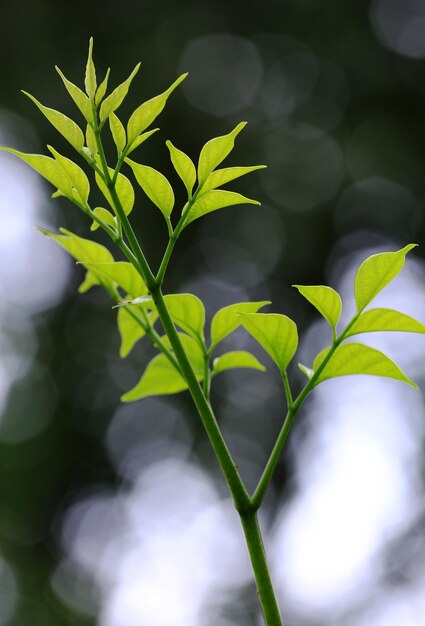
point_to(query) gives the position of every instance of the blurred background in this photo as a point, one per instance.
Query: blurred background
(116, 515)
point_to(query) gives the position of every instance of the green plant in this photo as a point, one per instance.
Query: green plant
(184, 360)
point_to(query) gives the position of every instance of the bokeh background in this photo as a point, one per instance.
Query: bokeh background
(116, 515)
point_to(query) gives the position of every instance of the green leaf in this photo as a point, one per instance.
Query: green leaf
(213, 200)
(122, 273)
(147, 112)
(141, 139)
(326, 300)
(49, 168)
(184, 167)
(376, 272)
(90, 280)
(187, 311)
(215, 151)
(101, 90)
(79, 180)
(79, 97)
(67, 127)
(114, 100)
(123, 188)
(237, 358)
(105, 216)
(90, 82)
(356, 358)
(130, 329)
(277, 334)
(159, 378)
(193, 352)
(226, 320)
(91, 141)
(155, 186)
(118, 132)
(225, 175)
(375, 320)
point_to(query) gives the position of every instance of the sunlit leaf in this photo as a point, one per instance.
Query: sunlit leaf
(187, 311)
(356, 358)
(78, 178)
(225, 175)
(326, 300)
(91, 141)
(79, 97)
(376, 272)
(122, 273)
(67, 127)
(375, 320)
(118, 132)
(101, 90)
(213, 200)
(237, 358)
(49, 168)
(114, 100)
(90, 82)
(123, 188)
(155, 186)
(226, 320)
(130, 329)
(159, 378)
(105, 216)
(184, 166)
(277, 334)
(147, 112)
(141, 139)
(215, 151)
(193, 352)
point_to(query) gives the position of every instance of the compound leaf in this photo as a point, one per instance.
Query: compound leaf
(326, 300)
(184, 167)
(155, 186)
(356, 358)
(215, 151)
(277, 334)
(375, 320)
(236, 358)
(114, 100)
(81, 100)
(226, 320)
(225, 175)
(213, 200)
(376, 272)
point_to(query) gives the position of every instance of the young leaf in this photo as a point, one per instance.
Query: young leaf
(193, 352)
(226, 320)
(155, 186)
(67, 127)
(130, 329)
(78, 179)
(114, 100)
(79, 97)
(277, 334)
(188, 312)
(91, 141)
(122, 273)
(159, 378)
(101, 90)
(225, 175)
(49, 168)
(215, 151)
(90, 82)
(307, 371)
(147, 112)
(356, 358)
(141, 139)
(376, 272)
(105, 216)
(124, 189)
(237, 358)
(183, 166)
(118, 132)
(326, 300)
(213, 200)
(375, 320)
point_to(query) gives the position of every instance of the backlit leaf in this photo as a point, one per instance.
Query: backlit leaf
(101, 90)
(237, 358)
(215, 151)
(184, 167)
(187, 311)
(124, 189)
(159, 378)
(376, 272)
(385, 320)
(118, 132)
(122, 273)
(79, 97)
(141, 139)
(277, 334)
(67, 127)
(49, 168)
(356, 358)
(307, 371)
(91, 141)
(114, 100)
(193, 352)
(90, 82)
(155, 186)
(213, 200)
(226, 320)
(225, 175)
(326, 300)
(105, 216)
(130, 329)
(147, 112)
(78, 178)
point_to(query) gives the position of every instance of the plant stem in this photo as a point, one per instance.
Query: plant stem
(263, 581)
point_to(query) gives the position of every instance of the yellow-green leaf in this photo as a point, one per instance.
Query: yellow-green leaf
(193, 352)
(213, 200)
(79, 181)
(375, 320)
(90, 82)
(225, 175)
(63, 124)
(114, 100)
(356, 358)
(326, 300)
(123, 188)
(105, 216)
(141, 139)
(91, 141)
(159, 378)
(226, 320)
(188, 312)
(79, 97)
(101, 90)
(155, 186)
(47, 167)
(118, 132)
(215, 151)
(122, 273)
(236, 358)
(184, 167)
(130, 329)
(376, 272)
(277, 334)
(147, 112)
